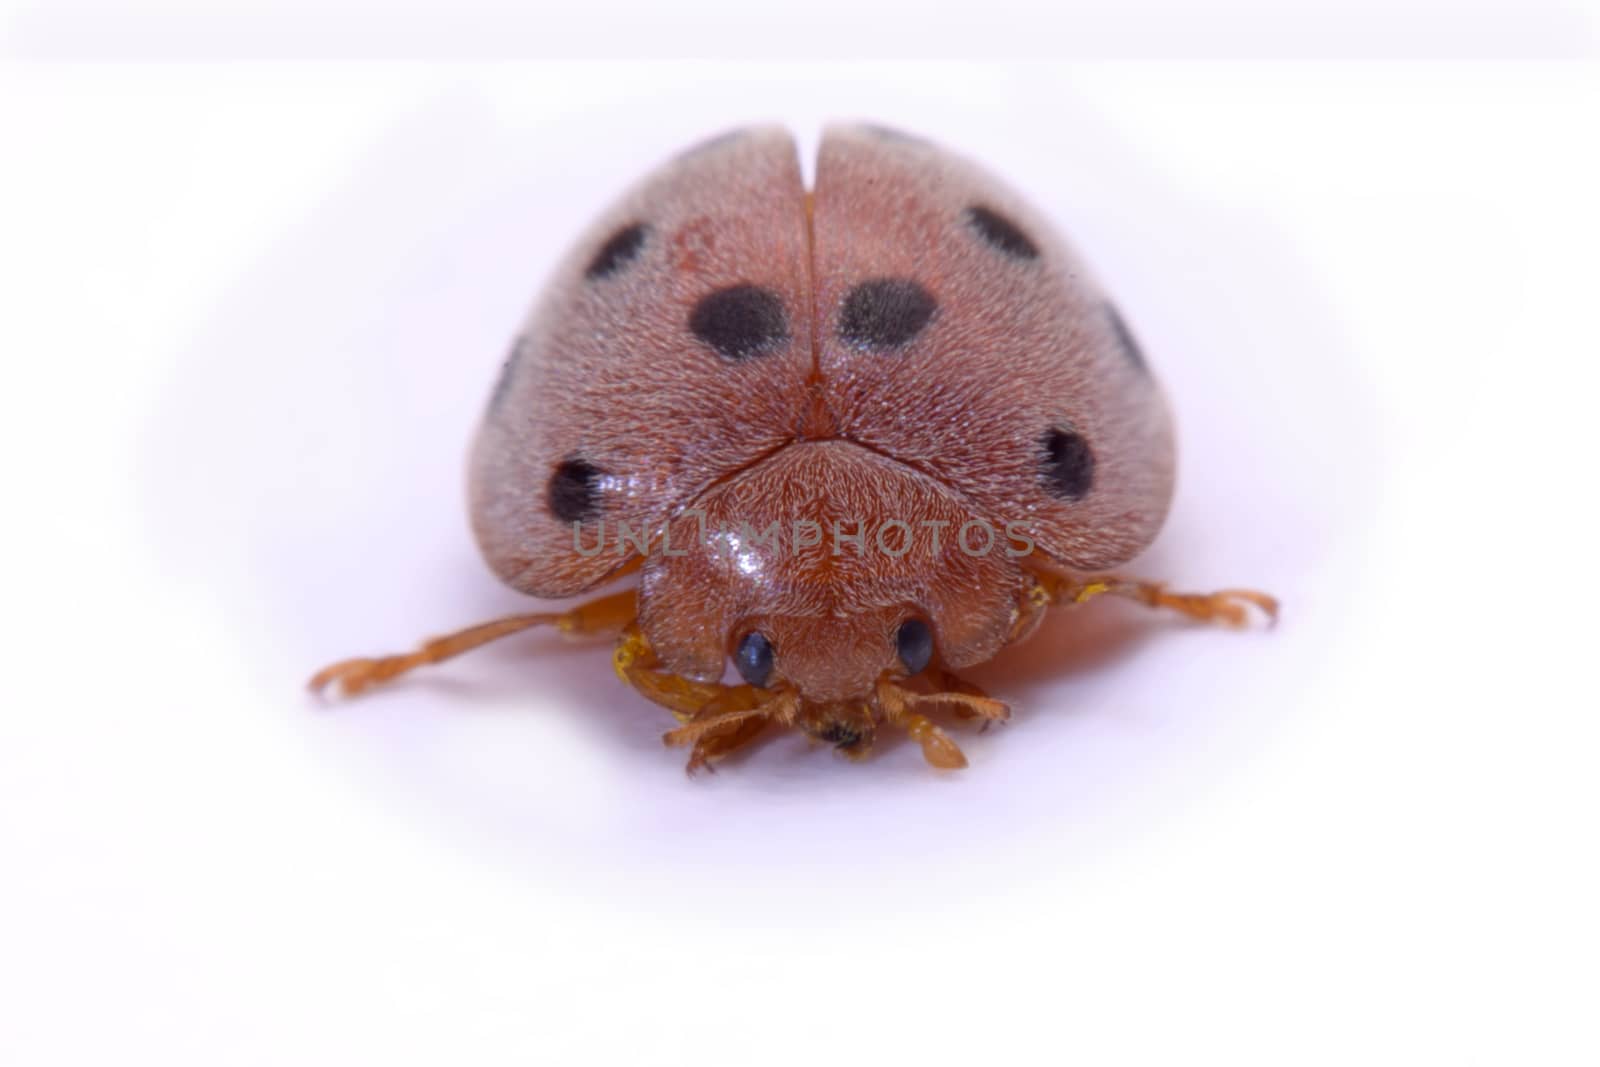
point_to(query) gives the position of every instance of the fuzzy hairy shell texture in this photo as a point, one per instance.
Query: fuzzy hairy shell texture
(1018, 346)
(826, 548)
(608, 371)
(909, 341)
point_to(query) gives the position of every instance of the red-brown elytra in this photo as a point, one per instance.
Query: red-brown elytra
(849, 441)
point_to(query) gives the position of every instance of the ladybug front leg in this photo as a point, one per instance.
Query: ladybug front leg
(897, 705)
(966, 700)
(637, 664)
(730, 721)
(717, 718)
(714, 745)
(1228, 606)
(597, 616)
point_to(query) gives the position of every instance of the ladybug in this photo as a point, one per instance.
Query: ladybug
(851, 440)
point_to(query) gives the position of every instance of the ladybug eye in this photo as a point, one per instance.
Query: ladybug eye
(914, 642)
(754, 659)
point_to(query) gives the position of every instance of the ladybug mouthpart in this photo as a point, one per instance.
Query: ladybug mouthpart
(739, 714)
(849, 730)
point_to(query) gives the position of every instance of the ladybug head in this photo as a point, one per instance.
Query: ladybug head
(825, 569)
(832, 659)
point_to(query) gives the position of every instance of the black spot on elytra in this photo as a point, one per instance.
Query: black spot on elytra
(619, 250)
(1068, 468)
(1000, 232)
(885, 313)
(753, 659)
(1125, 339)
(574, 491)
(914, 643)
(741, 321)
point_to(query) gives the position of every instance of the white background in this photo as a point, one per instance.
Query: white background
(252, 311)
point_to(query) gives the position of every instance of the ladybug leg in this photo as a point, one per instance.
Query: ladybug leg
(1227, 606)
(729, 721)
(717, 719)
(638, 666)
(355, 675)
(967, 700)
(896, 704)
(714, 746)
